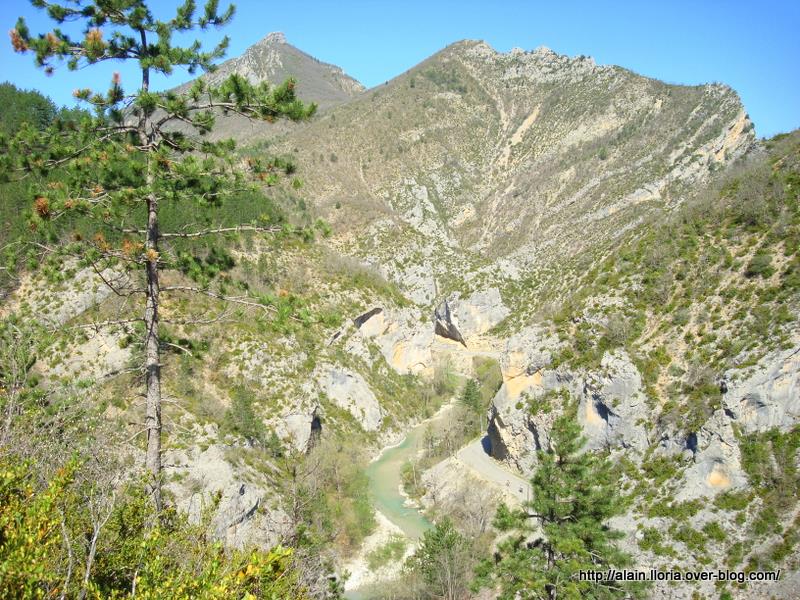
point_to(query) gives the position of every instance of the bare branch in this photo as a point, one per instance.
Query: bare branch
(98, 325)
(218, 319)
(178, 347)
(242, 300)
(220, 230)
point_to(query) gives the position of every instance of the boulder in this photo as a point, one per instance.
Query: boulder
(300, 425)
(716, 464)
(403, 339)
(446, 325)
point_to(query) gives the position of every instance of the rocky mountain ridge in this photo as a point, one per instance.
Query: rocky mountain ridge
(483, 164)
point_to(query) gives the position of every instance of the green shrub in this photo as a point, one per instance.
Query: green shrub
(391, 551)
(760, 265)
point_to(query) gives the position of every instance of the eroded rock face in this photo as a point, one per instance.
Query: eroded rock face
(299, 424)
(349, 390)
(446, 324)
(481, 311)
(515, 433)
(612, 406)
(241, 518)
(403, 339)
(716, 460)
(613, 413)
(459, 318)
(770, 397)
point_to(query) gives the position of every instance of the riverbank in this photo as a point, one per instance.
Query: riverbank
(394, 514)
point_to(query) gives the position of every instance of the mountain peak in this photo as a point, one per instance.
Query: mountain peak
(274, 59)
(276, 37)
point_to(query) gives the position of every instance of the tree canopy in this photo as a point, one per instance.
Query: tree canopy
(563, 529)
(139, 150)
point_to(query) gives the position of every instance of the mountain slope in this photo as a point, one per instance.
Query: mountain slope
(273, 59)
(476, 164)
(584, 231)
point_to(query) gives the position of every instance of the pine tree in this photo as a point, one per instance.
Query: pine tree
(139, 150)
(563, 529)
(442, 562)
(471, 400)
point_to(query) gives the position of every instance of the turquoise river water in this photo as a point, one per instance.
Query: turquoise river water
(384, 475)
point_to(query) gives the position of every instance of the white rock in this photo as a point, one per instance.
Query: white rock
(350, 391)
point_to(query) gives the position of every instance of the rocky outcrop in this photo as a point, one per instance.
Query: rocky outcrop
(716, 464)
(769, 397)
(446, 325)
(611, 404)
(203, 478)
(300, 426)
(515, 432)
(403, 339)
(612, 407)
(459, 319)
(479, 312)
(349, 390)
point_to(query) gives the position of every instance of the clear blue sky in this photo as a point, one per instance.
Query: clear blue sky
(752, 46)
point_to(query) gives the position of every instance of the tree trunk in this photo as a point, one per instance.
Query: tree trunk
(152, 357)
(152, 366)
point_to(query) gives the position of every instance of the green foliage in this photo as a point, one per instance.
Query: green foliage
(449, 79)
(770, 461)
(329, 492)
(735, 501)
(653, 541)
(204, 269)
(760, 265)
(470, 397)
(89, 175)
(444, 380)
(677, 511)
(241, 419)
(714, 531)
(489, 376)
(574, 495)
(160, 558)
(29, 531)
(442, 561)
(21, 107)
(392, 551)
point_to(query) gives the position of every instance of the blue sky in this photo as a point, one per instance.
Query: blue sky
(752, 46)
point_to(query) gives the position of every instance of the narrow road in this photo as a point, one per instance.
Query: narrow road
(475, 457)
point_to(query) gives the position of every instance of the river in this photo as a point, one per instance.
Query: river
(384, 475)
